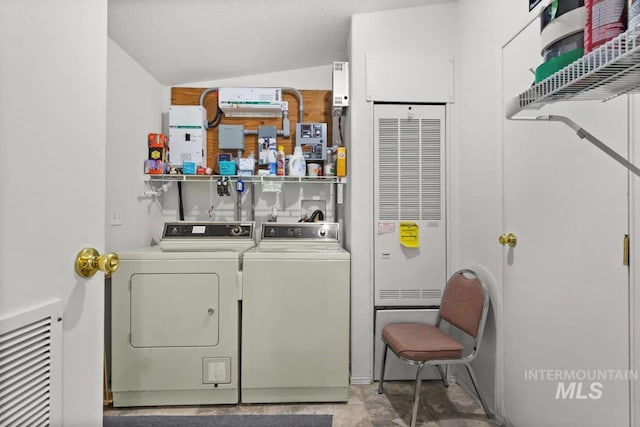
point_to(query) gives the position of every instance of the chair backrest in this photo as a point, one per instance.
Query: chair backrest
(465, 302)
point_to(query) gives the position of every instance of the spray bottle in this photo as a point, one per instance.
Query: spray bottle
(280, 161)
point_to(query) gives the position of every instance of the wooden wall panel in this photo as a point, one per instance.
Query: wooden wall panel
(317, 109)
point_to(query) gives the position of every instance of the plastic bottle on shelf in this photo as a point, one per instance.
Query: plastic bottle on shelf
(297, 164)
(272, 161)
(329, 166)
(341, 161)
(280, 161)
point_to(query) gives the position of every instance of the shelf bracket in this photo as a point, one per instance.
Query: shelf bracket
(583, 134)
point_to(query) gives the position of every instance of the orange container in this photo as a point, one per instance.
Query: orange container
(341, 161)
(157, 146)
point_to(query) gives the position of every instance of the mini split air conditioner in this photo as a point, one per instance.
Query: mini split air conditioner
(250, 102)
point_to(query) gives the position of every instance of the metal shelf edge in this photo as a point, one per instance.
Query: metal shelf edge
(252, 178)
(611, 70)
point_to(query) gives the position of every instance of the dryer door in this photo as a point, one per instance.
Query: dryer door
(174, 310)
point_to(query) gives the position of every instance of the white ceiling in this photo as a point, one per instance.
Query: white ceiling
(186, 41)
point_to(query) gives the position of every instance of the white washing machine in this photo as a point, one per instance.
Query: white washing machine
(295, 315)
(175, 317)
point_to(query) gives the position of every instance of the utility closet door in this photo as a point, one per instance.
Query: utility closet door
(566, 309)
(52, 191)
(410, 235)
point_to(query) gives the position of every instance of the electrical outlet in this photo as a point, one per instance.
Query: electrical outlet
(115, 216)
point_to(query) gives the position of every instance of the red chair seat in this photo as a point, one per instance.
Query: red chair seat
(421, 342)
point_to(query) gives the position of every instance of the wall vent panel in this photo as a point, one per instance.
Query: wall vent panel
(408, 294)
(30, 369)
(410, 234)
(388, 182)
(430, 190)
(409, 183)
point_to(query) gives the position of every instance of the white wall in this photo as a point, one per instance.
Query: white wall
(318, 78)
(134, 109)
(199, 198)
(477, 213)
(429, 30)
(463, 29)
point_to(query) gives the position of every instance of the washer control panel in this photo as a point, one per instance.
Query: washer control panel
(303, 230)
(207, 230)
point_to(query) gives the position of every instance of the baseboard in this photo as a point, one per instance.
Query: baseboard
(361, 380)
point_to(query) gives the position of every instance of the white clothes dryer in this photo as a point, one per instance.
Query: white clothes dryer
(295, 315)
(175, 317)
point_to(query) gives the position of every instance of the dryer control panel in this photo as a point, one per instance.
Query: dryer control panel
(207, 230)
(309, 230)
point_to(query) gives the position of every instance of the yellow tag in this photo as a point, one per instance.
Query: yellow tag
(409, 234)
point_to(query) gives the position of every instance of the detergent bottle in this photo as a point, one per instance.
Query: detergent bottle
(297, 164)
(272, 161)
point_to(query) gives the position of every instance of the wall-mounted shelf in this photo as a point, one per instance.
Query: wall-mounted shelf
(611, 70)
(157, 184)
(252, 178)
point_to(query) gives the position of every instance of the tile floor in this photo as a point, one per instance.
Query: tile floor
(439, 407)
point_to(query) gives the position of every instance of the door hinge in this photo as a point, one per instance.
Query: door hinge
(625, 250)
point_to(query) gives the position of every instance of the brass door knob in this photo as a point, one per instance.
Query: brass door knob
(89, 261)
(508, 239)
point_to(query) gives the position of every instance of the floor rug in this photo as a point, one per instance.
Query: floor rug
(219, 421)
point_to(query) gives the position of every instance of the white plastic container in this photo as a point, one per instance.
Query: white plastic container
(297, 164)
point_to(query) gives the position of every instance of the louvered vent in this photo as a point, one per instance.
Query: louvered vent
(409, 169)
(402, 294)
(25, 375)
(337, 66)
(431, 170)
(388, 197)
(337, 100)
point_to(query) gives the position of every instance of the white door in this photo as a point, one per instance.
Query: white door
(52, 190)
(566, 318)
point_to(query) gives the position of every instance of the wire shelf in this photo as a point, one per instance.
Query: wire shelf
(252, 178)
(611, 70)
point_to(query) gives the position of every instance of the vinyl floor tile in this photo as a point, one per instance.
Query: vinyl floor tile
(439, 407)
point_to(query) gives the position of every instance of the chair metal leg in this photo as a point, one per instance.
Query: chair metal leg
(416, 397)
(474, 381)
(384, 362)
(443, 375)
